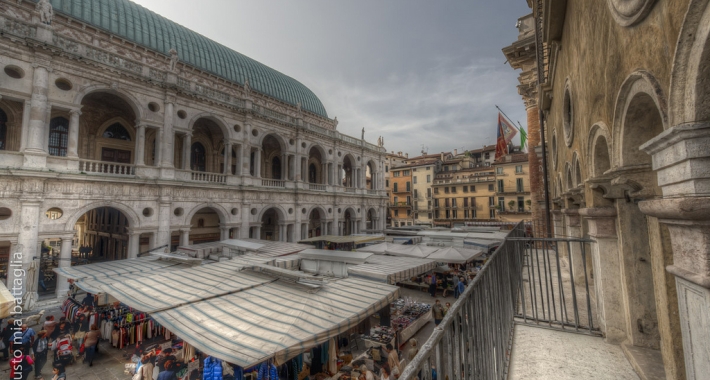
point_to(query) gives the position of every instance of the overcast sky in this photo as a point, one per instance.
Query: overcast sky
(417, 72)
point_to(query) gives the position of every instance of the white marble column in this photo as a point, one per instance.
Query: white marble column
(73, 143)
(26, 243)
(140, 146)
(238, 153)
(284, 166)
(168, 138)
(257, 163)
(297, 176)
(223, 232)
(336, 223)
(36, 150)
(228, 158)
(245, 221)
(186, 151)
(184, 237)
(134, 244)
(64, 262)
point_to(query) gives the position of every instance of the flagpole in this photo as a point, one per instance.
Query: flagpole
(506, 116)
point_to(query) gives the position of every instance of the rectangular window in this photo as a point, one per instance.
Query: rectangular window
(488, 155)
(415, 194)
(491, 201)
(428, 193)
(406, 173)
(473, 202)
(519, 185)
(465, 214)
(409, 200)
(446, 190)
(490, 187)
(492, 213)
(473, 189)
(395, 200)
(394, 187)
(501, 188)
(436, 203)
(430, 215)
(416, 215)
(465, 202)
(436, 214)
(454, 214)
(387, 168)
(473, 214)
(499, 170)
(409, 212)
(409, 186)
(518, 169)
(396, 212)
(446, 202)
(428, 205)
(428, 168)
(414, 179)
(448, 214)
(436, 190)
(453, 189)
(453, 202)
(387, 183)
(501, 203)
(428, 178)
(465, 189)
(395, 174)
(446, 168)
(521, 204)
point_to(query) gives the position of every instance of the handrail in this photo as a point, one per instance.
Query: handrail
(106, 167)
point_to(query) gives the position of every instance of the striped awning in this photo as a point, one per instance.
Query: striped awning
(417, 250)
(117, 268)
(455, 255)
(276, 320)
(356, 239)
(7, 301)
(391, 269)
(378, 249)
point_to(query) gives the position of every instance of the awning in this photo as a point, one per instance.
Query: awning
(338, 256)
(356, 239)
(117, 268)
(288, 262)
(276, 320)
(391, 269)
(7, 301)
(417, 250)
(455, 255)
(378, 249)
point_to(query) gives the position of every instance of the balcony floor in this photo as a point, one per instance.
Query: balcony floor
(540, 353)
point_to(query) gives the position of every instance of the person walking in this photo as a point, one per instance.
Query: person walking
(22, 363)
(41, 350)
(432, 285)
(456, 287)
(460, 286)
(91, 341)
(6, 337)
(438, 311)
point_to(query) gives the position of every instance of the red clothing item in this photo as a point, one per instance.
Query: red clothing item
(16, 362)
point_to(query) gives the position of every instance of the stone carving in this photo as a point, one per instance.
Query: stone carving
(19, 29)
(183, 83)
(157, 75)
(247, 89)
(363, 134)
(298, 107)
(210, 93)
(65, 44)
(113, 60)
(174, 59)
(46, 12)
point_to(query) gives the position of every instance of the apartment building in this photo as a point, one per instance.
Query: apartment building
(401, 196)
(462, 195)
(513, 201)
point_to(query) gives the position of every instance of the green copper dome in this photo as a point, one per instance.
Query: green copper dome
(134, 23)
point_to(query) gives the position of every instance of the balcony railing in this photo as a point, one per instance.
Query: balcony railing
(525, 281)
(272, 183)
(316, 187)
(110, 168)
(371, 192)
(208, 177)
(350, 190)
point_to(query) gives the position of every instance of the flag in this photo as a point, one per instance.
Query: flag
(523, 140)
(506, 132)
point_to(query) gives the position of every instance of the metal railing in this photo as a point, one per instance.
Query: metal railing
(473, 340)
(536, 281)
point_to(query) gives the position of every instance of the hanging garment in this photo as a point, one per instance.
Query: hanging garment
(332, 357)
(212, 369)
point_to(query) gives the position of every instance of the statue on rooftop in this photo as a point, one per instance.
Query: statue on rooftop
(363, 134)
(335, 123)
(247, 89)
(46, 12)
(173, 59)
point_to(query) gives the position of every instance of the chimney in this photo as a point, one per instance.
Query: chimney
(406, 155)
(456, 152)
(442, 156)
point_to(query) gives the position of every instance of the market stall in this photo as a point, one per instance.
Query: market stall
(378, 249)
(418, 250)
(408, 317)
(7, 301)
(455, 255)
(391, 269)
(341, 243)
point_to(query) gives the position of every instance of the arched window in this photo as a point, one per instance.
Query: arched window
(117, 131)
(3, 130)
(197, 157)
(275, 168)
(58, 136)
(312, 173)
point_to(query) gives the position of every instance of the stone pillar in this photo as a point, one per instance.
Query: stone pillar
(245, 221)
(298, 176)
(186, 151)
(238, 153)
(168, 137)
(64, 262)
(26, 244)
(574, 230)
(537, 189)
(297, 228)
(558, 222)
(164, 215)
(257, 232)
(184, 237)
(223, 232)
(140, 146)
(336, 224)
(36, 150)
(607, 271)
(681, 156)
(228, 158)
(246, 159)
(73, 143)
(257, 163)
(134, 244)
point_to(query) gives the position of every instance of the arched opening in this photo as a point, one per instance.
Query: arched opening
(198, 157)
(3, 130)
(601, 163)
(348, 222)
(348, 172)
(204, 227)
(316, 169)
(271, 163)
(270, 225)
(371, 219)
(577, 173)
(570, 184)
(370, 178)
(316, 221)
(205, 154)
(106, 129)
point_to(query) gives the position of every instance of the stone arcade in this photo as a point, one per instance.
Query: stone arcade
(121, 131)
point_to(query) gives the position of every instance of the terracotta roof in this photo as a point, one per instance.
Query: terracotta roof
(514, 158)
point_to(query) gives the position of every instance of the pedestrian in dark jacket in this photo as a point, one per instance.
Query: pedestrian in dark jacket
(5, 336)
(169, 373)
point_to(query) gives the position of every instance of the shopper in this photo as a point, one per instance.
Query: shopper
(460, 286)
(366, 374)
(447, 306)
(49, 325)
(58, 372)
(385, 373)
(5, 337)
(22, 363)
(28, 335)
(432, 285)
(146, 368)
(169, 373)
(165, 356)
(393, 360)
(438, 311)
(41, 349)
(91, 341)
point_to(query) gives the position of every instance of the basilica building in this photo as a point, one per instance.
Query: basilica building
(122, 131)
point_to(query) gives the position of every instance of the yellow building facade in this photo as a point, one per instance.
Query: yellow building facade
(512, 188)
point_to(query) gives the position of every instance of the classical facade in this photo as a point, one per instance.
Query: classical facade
(122, 131)
(624, 89)
(513, 188)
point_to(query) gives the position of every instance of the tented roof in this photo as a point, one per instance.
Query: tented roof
(109, 268)
(455, 255)
(339, 256)
(357, 239)
(391, 269)
(7, 301)
(378, 249)
(417, 250)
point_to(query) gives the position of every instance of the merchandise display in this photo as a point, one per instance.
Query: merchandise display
(381, 335)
